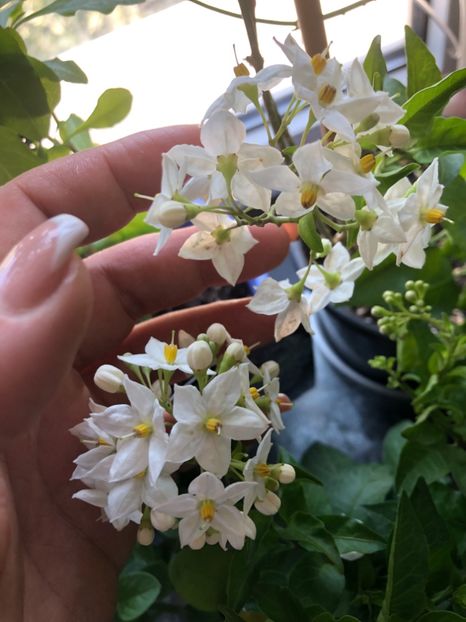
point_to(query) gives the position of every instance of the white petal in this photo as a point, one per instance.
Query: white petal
(200, 245)
(214, 453)
(276, 178)
(222, 393)
(243, 424)
(311, 163)
(131, 458)
(206, 486)
(337, 204)
(189, 529)
(183, 443)
(270, 298)
(222, 134)
(287, 321)
(228, 262)
(188, 405)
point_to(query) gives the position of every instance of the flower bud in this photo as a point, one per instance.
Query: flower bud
(199, 356)
(217, 333)
(161, 521)
(236, 351)
(269, 505)
(399, 136)
(270, 369)
(285, 474)
(172, 214)
(411, 295)
(284, 402)
(145, 536)
(109, 378)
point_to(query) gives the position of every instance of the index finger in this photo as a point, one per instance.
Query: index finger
(96, 185)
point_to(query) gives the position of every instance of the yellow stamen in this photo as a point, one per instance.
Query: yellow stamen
(213, 424)
(241, 70)
(433, 216)
(207, 510)
(318, 63)
(142, 430)
(309, 194)
(262, 470)
(141, 474)
(327, 94)
(101, 441)
(367, 163)
(254, 393)
(170, 351)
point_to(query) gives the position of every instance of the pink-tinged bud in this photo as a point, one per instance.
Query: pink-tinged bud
(286, 474)
(269, 505)
(161, 521)
(109, 378)
(399, 136)
(199, 356)
(284, 403)
(271, 369)
(217, 333)
(145, 536)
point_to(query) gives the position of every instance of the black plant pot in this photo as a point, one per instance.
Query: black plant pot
(349, 405)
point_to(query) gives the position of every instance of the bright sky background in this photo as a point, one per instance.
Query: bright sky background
(177, 61)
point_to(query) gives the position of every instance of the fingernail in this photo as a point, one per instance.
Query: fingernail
(34, 268)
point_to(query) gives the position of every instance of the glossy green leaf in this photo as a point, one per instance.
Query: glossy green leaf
(454, 196)
(390, 174)
(308, 233)
(393, 443)
(15, 156)
(445, 135)
(374, 64)
(407, 567)
(416, 461)
(67, 70)
(441, 616)
(278, 603)
(69, 7)
(79, 140)
(395, 89)
(136, 593)
(200, 577)
(424, 105)
(325, 461)
(422, 68)
(111, 108)
(352, 536)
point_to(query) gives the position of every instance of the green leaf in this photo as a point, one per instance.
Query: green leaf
(449, 167)
(301, 472)
(304, 496)
(69, 7)
(278, 603)
(67, 70)
(389, 175)
(445, 135)
(15, 156)
(79, 140)
(136, 593)
(443, 291)
(200, 577)
(441, 616)
(418, 461)
(310, 533)
(424, 105)
(315, 581)
(454, 196)
(407, 567)
(29, 90)
(308, 233)
(374, 64)
(111, 108)
(352, 536)
(230, 615)
(456, 457)
(422, 68)
(393, 443)
(395, 89)
(325, 461)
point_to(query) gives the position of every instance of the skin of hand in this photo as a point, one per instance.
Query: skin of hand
(60, 317)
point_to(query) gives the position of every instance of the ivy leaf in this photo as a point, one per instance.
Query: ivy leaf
(67, 70)
(424, 105)
(422, 68)
(111, 108)
(136, 593)
(374, 64)
(407, 567)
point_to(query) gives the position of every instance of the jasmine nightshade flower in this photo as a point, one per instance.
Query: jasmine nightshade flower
(334, 280)
(290, 304)
(220, 241)
(160, 355)
(208, 513)
(207, 422)
(140, 430)
(257, 470)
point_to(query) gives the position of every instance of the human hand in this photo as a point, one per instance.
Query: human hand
(60, 317)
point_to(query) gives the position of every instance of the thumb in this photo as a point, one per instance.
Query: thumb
(45, 303)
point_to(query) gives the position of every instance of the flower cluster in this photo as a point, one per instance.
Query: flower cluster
(204, 427)
(327, 185)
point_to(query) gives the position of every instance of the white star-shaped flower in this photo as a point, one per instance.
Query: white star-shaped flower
(160, 355)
